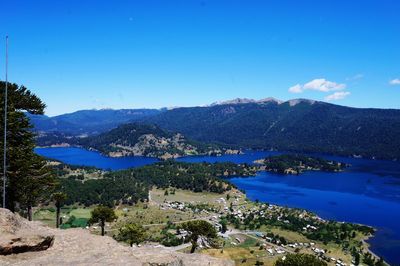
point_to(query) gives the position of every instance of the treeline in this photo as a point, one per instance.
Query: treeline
(132, 185)
(106, 191)
(196, 177)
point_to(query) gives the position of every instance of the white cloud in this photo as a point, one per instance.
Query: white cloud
(323, 85)
(394, 82)
(296, 89)
(318, 85)
(339, 95)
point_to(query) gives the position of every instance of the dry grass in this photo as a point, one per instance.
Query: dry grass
(157, 195)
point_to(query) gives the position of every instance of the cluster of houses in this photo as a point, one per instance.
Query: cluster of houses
(272, 211)
(300, 245)
(311, 245)
(318, 251)
(267, 211)
(338, 262)
(273, 251)
(176, 205)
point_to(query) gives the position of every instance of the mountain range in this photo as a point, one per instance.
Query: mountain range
(89, 122)
(296, 125)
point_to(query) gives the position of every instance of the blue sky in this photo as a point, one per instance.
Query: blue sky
(131, 54)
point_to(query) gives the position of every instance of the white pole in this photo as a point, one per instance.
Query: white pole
(5, 131)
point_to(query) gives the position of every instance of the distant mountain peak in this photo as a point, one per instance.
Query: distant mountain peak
(246, 100)
(292, 102)
(270, 99)
(234, 101)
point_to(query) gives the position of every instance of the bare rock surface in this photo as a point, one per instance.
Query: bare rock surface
(80, 247)
(17, 235)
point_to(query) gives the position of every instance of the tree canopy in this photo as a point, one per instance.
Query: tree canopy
(101, 215)
(199, 228)
(300, 260)
(28, 178)
(132, 233)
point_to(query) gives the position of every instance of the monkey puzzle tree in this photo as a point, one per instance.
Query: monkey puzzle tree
(199, 228)
(58, 198)
(28, 179)
(132, 233)
(35, 183)
(101, 215)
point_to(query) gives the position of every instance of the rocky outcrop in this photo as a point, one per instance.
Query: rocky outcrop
(17, 235)
(80, 247)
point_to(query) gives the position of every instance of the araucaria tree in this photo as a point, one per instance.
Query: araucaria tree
(59, 198)
(132, 233)
(101, 215)
(34, 183)
(29, 180)
(199, 228)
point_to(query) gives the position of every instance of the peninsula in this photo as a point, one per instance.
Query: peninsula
(296, 164)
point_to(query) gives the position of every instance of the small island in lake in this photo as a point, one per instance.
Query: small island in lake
(296, 164)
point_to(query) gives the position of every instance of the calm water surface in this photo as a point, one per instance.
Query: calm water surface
(79, 156)
(367, 192)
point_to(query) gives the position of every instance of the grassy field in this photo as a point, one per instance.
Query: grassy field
(146, 214)
(289, 235)
(47, 215)
(141, 213)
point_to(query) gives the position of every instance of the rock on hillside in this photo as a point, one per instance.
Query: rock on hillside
(80, 247)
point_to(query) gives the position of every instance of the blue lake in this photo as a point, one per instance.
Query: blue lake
(367, 192)
(78, 156)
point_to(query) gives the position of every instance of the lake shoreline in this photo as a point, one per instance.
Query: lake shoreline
(352, 205)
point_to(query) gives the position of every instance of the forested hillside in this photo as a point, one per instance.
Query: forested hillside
(137, 139)
(296, 125)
